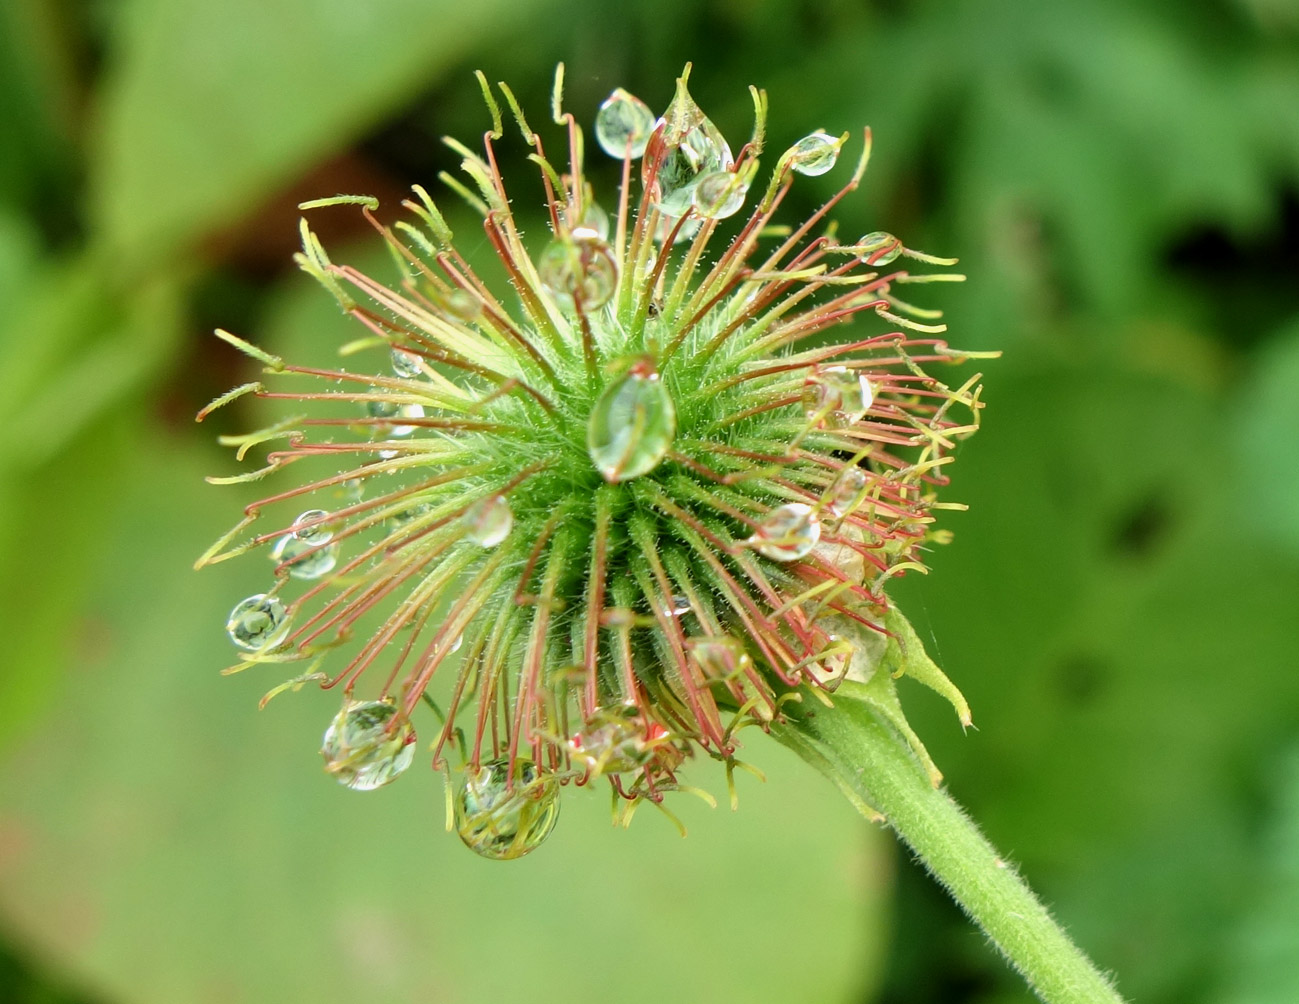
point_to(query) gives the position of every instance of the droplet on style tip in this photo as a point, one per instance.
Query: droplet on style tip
(612, 741)
(305, 560)
(837, 396)
(405, 364)
(352, 490)
(814, 154)
(502, 822)
(411, 513)
(720, 657)
(846, 490)
(719, 194)
(489, 521)
(623, 125)
(382, 408)
(873, 247)
(787, 532)
(361, 749)
(684, 146)
(312, 527)
(631, 427)
(464, 305)
(258, 623)
(579, 270)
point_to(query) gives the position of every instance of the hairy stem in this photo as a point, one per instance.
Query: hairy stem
(856, 748)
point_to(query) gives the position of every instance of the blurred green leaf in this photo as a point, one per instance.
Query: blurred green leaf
(1121, 633)
(37, 104)
(1265, 967)
(73, 360)
(1268, 436)
(211, 106)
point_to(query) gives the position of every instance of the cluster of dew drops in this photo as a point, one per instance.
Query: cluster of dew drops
(505, 810)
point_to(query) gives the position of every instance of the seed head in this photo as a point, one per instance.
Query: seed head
(619, 508)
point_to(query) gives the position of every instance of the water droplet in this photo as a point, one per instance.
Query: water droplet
(408, 515)
(846, 491)
(719, 194)
(362, 749)
(837, 396)
(787, 532)
(313, 527)
(305, 560)
(700, 151)
(407, 411)
(381, 408)
(684, 146)
(594, 218)
(873, 247)
(814, 154)
(579, 268)
(724, 658)
(405, 364)
(819, 400)
(623, 125)
(489, 521)
(463, 304)
(258, 623)
(854, 390)
(631, 426)
(721, 657)
(351, 490)
(680, 606)
(500, 822)
(613, 741)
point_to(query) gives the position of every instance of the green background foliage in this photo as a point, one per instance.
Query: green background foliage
(1121, 182)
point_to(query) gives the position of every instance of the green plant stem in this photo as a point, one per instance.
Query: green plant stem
(853, 746)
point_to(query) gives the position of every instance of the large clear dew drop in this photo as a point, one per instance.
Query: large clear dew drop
(258, 623)
(879, 248)
(814, 154)
(719, 194)
(303, 559)
(500, 820)
(613, 740)
(837, 396)
(405, 364)
(631, 427)
(489, 521)
(312, 527)
(846, 491)
(363, 749)
(623, 125)
(701, 150)
(787, 533)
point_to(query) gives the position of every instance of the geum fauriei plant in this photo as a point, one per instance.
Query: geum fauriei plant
(642, 496)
